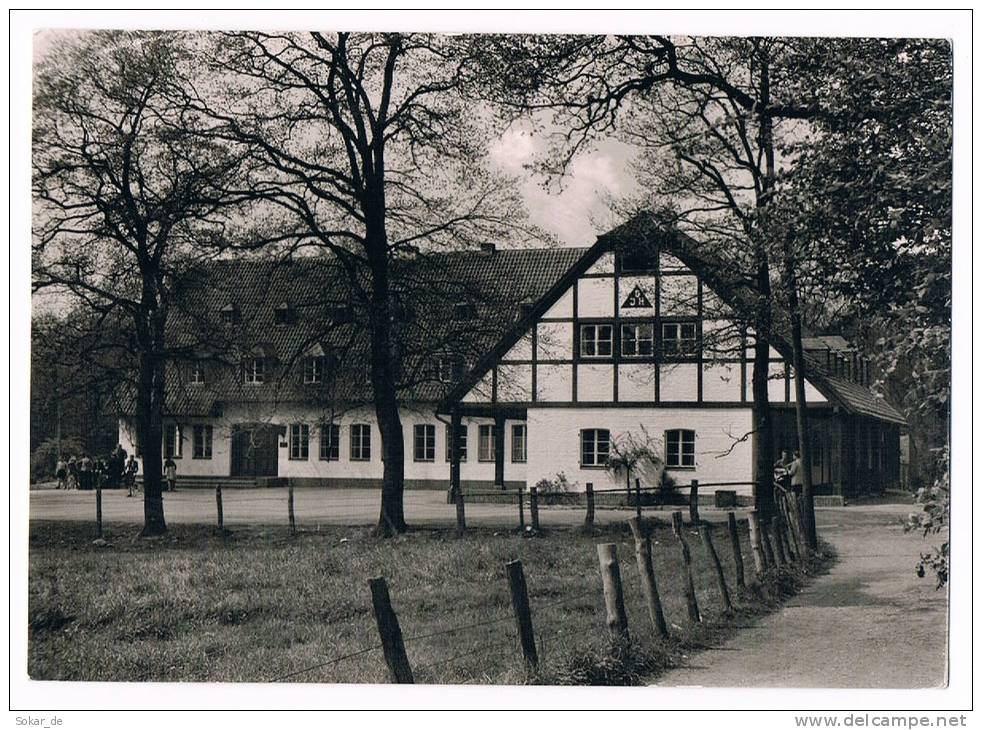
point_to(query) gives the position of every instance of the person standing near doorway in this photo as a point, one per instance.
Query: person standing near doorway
(85, 472)
(130, 474)
(61, 473)
(170, 474)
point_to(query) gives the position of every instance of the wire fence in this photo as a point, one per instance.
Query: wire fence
(527, 632)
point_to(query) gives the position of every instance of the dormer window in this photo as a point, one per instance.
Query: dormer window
(450, 368)
(338, 313)
(230, 314)
(313, 370)
(525, 310)
(197, 374)
(464, 311)
(284, 314)
(254, 371)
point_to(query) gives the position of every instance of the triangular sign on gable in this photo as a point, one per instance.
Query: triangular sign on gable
(636, 299)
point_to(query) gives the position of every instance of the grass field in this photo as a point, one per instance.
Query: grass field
(259, 604)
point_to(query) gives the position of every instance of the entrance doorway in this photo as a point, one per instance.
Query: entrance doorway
(255, 450)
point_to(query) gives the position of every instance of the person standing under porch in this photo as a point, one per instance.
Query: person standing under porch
(170, 474)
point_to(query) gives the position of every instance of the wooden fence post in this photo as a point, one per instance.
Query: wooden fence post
(690, 588)
(589, 505)
(637, 497)
(642, 552)
(767, 535)
(610, 572)
(521, 510)
(737, 552)
(459, 502)
(219, 508)
(289, 509)
(523, 613)
(757, 542)
(694, 501)
(705, 532)
(534, 507)
(98, 508)
(389, 632)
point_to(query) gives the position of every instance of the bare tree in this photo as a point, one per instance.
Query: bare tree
(127, 197)
(377, 159)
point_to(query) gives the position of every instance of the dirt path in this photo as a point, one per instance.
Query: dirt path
(869, 623)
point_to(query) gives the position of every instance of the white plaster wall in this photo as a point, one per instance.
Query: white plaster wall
(563, 306)
(595, 382)
(603, 265)
(667, 262)
(595, 297)
(648, 285)
(554, 442)
(636, 382)
(554, 340)
(514, 383)
(481, 392)
(679, 296)
(721, 382)
(679, 381)
(521, 350)
(187, 465)
(554, 383)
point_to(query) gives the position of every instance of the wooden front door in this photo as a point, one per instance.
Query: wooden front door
(255, 451)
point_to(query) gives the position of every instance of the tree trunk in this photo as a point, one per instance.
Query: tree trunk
(801, 405)
(391, 518)
(149, 425)
(763, 439)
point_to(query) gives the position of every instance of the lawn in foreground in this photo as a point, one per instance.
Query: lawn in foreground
(258, 604)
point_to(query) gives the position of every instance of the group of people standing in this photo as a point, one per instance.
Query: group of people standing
(788, 471)
(83, 472)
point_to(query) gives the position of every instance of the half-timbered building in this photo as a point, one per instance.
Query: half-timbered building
(541, 359)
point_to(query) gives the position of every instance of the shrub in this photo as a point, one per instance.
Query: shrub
(45, 457)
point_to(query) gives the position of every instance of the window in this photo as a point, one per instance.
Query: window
(678, 338)
(680, 448)
(283, 314)
(424, 442)
(254, 371)
(637, 259)
(594, 446)
(450, 368)
(637, 340)
(518, 443)
(461, 442)
(464, 311)
(486, 450)
(173, 439)
(299, 441)
(197, 376)
(330, 442)
(230, 314)
(361, 442)
(596, 340)
(202, 441)
(313, 370)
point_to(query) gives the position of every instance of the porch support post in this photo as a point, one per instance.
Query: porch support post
(499, 451)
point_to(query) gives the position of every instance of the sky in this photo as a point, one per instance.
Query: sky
(574, 209)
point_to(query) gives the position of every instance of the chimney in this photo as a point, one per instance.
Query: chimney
(855, 366)
(488, 248)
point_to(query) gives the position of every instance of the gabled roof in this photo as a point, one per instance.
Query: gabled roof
(723, 277)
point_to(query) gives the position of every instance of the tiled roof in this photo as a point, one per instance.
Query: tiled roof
(496, 285)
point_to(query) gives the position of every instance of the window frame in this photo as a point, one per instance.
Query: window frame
(203, 435)
(450, 363)
(594, 440)
(178, 444)
(313, 370)
(424, 443)
(254, 371)
(679, 454)
(462, 442)
(652, 261)
(490, 429)
(596, 327)
(333, 441)
(360, 436)
(299, 442)
(678, 324)
(197, 374)
(639, 323)
(523, 429)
